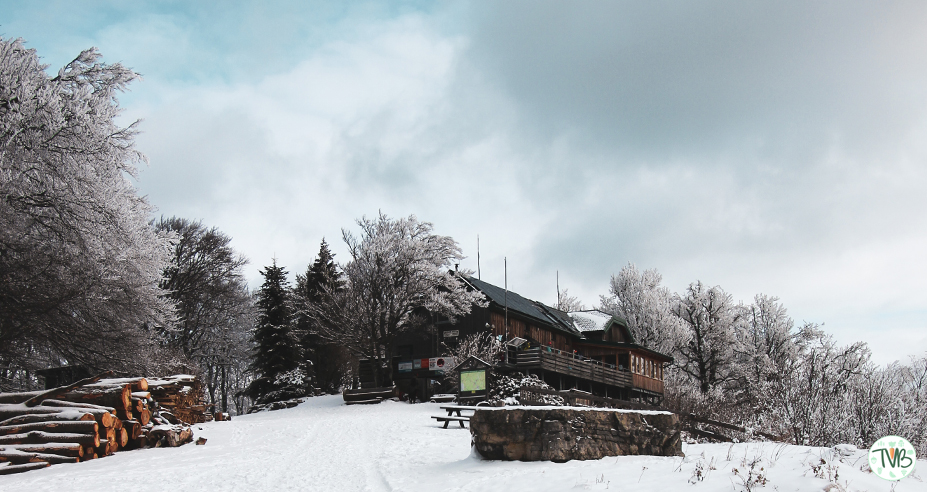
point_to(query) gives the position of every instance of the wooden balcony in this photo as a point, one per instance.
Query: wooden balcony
(568, 365)
(649, 384)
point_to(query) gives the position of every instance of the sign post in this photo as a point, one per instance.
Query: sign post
(473, 380)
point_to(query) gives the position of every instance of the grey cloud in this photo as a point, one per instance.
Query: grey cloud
(663, 79)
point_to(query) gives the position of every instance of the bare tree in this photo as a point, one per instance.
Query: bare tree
(708, 318)
(813, 393)
(399, 272)
(206, 282)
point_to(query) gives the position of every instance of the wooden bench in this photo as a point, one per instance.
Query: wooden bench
(451, 409)
(367, 396)
(364, 402)
(453, 415)
(448, 420)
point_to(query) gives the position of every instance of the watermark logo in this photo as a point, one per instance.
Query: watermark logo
(892, 458)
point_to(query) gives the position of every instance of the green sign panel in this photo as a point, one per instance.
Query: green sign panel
(472, 381)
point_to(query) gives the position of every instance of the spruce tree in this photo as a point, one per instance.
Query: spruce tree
(329, 362)
(275, 360)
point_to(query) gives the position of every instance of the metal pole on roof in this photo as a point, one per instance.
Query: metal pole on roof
(478, 257)
(558, 291)
(506, 341)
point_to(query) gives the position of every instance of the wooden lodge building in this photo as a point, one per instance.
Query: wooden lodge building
(586, 350)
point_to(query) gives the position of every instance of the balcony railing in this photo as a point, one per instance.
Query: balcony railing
(568, 364)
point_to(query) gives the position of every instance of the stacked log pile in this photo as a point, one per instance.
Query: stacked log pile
(180, 398)
(86, 420)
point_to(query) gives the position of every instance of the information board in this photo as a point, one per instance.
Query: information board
(473, 381)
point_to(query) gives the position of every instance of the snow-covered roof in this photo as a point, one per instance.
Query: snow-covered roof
(590, 320)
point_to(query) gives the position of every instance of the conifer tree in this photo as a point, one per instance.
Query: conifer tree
(329, 362)
(276, 356)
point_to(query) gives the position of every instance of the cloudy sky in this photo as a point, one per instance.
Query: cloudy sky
(765, 147)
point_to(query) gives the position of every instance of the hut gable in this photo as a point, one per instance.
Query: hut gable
(597, 325)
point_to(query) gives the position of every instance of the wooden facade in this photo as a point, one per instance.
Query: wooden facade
(566, 350)
(601, 358)
(529, 331)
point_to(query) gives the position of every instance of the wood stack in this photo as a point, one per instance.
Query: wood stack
(180, 398)
(89, 419)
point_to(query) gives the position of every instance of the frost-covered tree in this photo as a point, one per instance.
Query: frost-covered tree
(568, 303)
(79, 263)
(330, 362)
(814, 390)
(914, 390)
(206, 283)
(647, 306)
(764, 348)
(399, 272)
(482, 345)
(276, 356)
(705, 351)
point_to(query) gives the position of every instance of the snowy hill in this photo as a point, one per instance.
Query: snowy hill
(326, 446)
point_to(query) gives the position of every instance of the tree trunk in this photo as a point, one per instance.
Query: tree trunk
(225, 390)
(137, 384)
(11, 469)
(55, 392)
(81, 427)
(61, 449)
(10, 411)
(47, 417)
(133, 428)
(104, 449)
(41, 437)
(18, 397)
(122, 437)
(118, 397)
(19, 457)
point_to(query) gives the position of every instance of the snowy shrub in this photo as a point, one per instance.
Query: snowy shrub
(751, 473)
(702, 469)
(276, 405)
(508, 390)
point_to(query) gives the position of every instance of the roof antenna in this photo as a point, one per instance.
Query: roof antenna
(478, 257)
(558, 291)
(505, 264)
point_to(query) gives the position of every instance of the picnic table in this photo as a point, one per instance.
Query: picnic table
(454, 415)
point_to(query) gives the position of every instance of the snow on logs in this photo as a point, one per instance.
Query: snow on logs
(94, 418)
(180, 396)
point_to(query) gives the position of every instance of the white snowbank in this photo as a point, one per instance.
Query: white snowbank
(323, 445)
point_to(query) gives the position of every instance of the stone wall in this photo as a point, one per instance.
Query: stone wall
(562, 434)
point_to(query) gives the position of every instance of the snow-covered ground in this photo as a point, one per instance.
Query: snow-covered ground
(326, 446)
